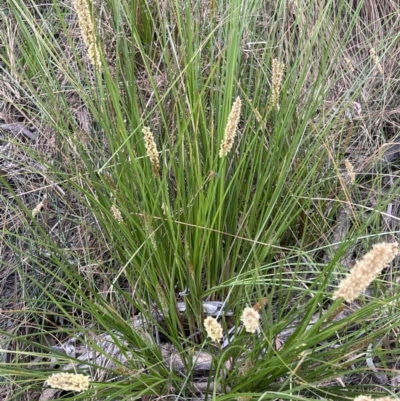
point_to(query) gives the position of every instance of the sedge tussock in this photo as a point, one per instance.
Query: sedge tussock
(250, 319)
(88, 31)
(213, 329)
(366, 270)
(151, 149)
(69, 381)
(231, 128)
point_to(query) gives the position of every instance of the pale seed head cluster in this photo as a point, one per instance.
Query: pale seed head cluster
(39, 206)
(276, 83)
(231, 128)
(366, 270)
(349, 64)
(69, 381)
(165, 209)
(213, 329)
(350, 171)
(250, 319)
(117, 214)
(375, 59)
(151, 149)
(369, 398)
(88, 31)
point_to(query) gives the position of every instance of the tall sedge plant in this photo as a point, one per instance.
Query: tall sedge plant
(208, 171)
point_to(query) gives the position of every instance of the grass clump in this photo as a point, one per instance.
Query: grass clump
(190, 194)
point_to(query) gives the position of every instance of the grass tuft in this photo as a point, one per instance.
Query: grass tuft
(199, 258)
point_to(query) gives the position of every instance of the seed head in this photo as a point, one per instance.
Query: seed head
(349, 64)
(39, 206)
(213, 328)
(375, 59)
(369, 398)
(87, 27)
(277, 76)
(250, 319)
(350, 171)
(117, 214)
(69, 381)
(366, 270)
(231, 128)
(152, 152)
